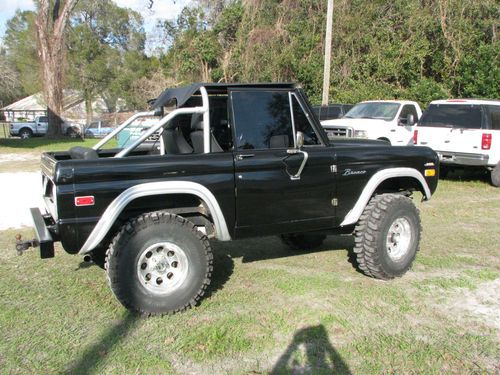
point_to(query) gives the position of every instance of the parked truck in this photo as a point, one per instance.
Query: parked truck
(39, 127)
(29, 129)
(234, 161)
(388, 120)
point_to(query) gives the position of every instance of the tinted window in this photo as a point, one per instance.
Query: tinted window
(452, 116)
(43, 119)
(262, 119)
(303, 125)
(495, 117)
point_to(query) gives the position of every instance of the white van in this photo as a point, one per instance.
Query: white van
(464, 132)
(388, 120)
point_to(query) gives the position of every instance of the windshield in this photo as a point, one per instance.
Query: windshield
(374, 110)
(452, 116)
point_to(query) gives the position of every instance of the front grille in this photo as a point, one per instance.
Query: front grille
(338, 132)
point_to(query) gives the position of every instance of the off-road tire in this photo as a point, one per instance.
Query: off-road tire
(495, 176)
(303, 241)
(138, 234)
(371, 235)
(25, 133)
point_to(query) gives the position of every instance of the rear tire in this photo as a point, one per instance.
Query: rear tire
(303, 241)
(25, 133)
(495, 176)
(159, 263)
(387, 236)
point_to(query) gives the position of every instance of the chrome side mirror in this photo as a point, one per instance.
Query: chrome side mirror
(410, 120)
(300, 139)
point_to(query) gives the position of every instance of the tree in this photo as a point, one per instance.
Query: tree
(51, 23)
(9, 84)
(21, 51)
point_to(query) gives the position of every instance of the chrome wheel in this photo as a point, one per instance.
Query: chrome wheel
(162, 268)
(399, 239)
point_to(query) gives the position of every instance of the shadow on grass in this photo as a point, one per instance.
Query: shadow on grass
(263, 248)
(93, 356)
(466, 174)
(310, 352)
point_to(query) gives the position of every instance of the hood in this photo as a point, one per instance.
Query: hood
(357, 123)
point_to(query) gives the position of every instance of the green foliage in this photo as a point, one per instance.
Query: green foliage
(21, 50)
(380, 50)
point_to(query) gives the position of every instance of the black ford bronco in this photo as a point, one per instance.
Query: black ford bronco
(232, 161)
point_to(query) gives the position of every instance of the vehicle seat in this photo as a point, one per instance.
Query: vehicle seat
(197, 135)
(175, 143)
(84, 153)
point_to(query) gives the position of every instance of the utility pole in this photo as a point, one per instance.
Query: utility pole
(328, 53)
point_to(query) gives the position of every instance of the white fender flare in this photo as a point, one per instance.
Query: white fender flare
(156, 188)
(354, 214)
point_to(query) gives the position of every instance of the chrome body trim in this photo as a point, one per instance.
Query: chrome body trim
(156, 188)
(354, 214)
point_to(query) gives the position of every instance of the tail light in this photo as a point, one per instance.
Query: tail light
(415, 137)
(486, 141)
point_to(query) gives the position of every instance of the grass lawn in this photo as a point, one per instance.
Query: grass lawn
(24, 154)
(272, 310)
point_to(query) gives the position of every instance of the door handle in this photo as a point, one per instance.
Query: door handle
(393, 130)
(244, 156)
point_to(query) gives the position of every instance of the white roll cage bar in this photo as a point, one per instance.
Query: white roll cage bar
(160, 124)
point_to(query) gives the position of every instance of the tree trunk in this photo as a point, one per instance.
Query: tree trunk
(50, 27)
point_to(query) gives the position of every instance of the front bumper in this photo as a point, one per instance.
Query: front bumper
(461, 158)
(43, 235)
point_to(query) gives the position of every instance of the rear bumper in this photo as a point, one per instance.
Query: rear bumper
(43, 234)
(461, 158)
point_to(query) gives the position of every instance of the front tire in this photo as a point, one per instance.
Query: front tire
(387, 236)
(159, 263)
(495, 176)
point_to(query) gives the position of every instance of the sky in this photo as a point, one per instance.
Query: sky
(162, 9)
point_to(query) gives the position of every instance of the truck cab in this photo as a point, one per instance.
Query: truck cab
(388, 120)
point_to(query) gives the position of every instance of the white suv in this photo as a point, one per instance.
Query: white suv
(464, 132)
(388, 120)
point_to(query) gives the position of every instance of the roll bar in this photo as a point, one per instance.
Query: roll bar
(206, 125)
(180, 111)
(130, 120)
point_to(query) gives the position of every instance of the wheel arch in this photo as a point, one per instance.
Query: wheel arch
(172, 189)
(26, 128)
(384, 181)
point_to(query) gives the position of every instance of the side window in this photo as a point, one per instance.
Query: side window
(303, 125)
(495, 117)
(262, 119)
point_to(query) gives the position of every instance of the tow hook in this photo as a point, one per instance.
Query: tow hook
(22, 246)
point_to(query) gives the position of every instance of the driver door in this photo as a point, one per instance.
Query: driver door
(278, 188)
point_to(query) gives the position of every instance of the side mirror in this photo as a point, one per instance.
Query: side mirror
(410, 120)
(300, 139)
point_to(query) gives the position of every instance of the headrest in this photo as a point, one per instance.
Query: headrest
(197, 121)
(279, 141)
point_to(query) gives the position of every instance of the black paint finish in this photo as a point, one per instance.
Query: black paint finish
(253, 187)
